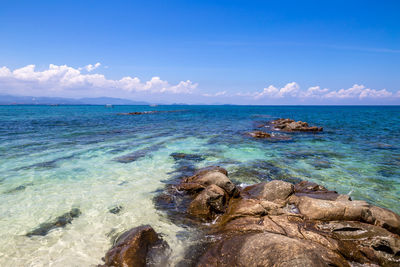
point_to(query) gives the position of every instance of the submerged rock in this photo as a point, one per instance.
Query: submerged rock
(61, 221)
(141, 153)
(289, 125)
(140, 246)
(269, 136)
(116, 209)
(18, 188)
(191, 157)
(260, 134)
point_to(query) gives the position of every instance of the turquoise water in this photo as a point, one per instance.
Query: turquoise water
(55, 158)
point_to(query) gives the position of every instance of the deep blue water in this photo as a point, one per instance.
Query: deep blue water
(57, 157)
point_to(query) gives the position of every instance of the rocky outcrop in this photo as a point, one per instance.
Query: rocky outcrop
(269, 249)
(213, 188)
(281, 224)
(149, 112)
(269, 136)
(136, 248)
(260, 134)
(289, 125)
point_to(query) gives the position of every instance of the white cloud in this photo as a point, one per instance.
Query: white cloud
(66, 79)
(314, 91)
(290, 89)
(222, 93)
(358, 91)
(91, 67)
(293, 90)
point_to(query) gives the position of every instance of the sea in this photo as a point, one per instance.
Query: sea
(54, 159)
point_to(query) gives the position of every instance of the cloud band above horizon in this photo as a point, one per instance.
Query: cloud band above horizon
(66, 81)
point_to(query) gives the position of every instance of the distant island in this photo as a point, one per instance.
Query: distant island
(31, 100)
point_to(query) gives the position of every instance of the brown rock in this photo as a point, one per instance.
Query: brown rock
(383, 218)
(268, 249)
(260, 134)
(364, 243)
(208, 169)
(215, 176)
(310, 189)
(243, 208)
(326, 210)
(190, 188)
(131, 248)
(288, 125)
(275, 191)
(209, 202)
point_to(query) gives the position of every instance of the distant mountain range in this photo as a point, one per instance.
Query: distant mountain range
(31, 100)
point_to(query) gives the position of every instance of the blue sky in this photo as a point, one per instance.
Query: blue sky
(244, 52)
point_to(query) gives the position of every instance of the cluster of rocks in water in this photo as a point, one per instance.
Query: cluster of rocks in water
(149, 112)
(283, 125)
(274, 223)
(289, 125)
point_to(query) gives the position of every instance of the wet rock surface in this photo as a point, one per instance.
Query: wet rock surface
(269, 136)
(278, 223)
(140, 246)
(260, 134)
(289, 125)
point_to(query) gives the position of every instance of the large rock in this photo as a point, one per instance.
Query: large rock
(289, 125)
(132, 248)
(346, 210)
(260, 134)
(327, 210)
(213, 175)
(267, 249)
(275, 191)
(281, 224)
(383, 218)
(361, 242)
(209, 202)
(310, 189)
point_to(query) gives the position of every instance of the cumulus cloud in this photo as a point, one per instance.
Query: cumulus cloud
(290, 89)
(314, 92)
(65, 79)
(91, 67)
(358, 91)
(293, 90)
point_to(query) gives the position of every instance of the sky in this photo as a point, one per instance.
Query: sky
(231, 52)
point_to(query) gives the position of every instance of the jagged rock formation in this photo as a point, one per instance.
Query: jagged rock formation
(276, 223)
(281, 224)
(289, 125)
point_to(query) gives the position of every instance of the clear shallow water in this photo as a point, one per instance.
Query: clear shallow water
(53, 159)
